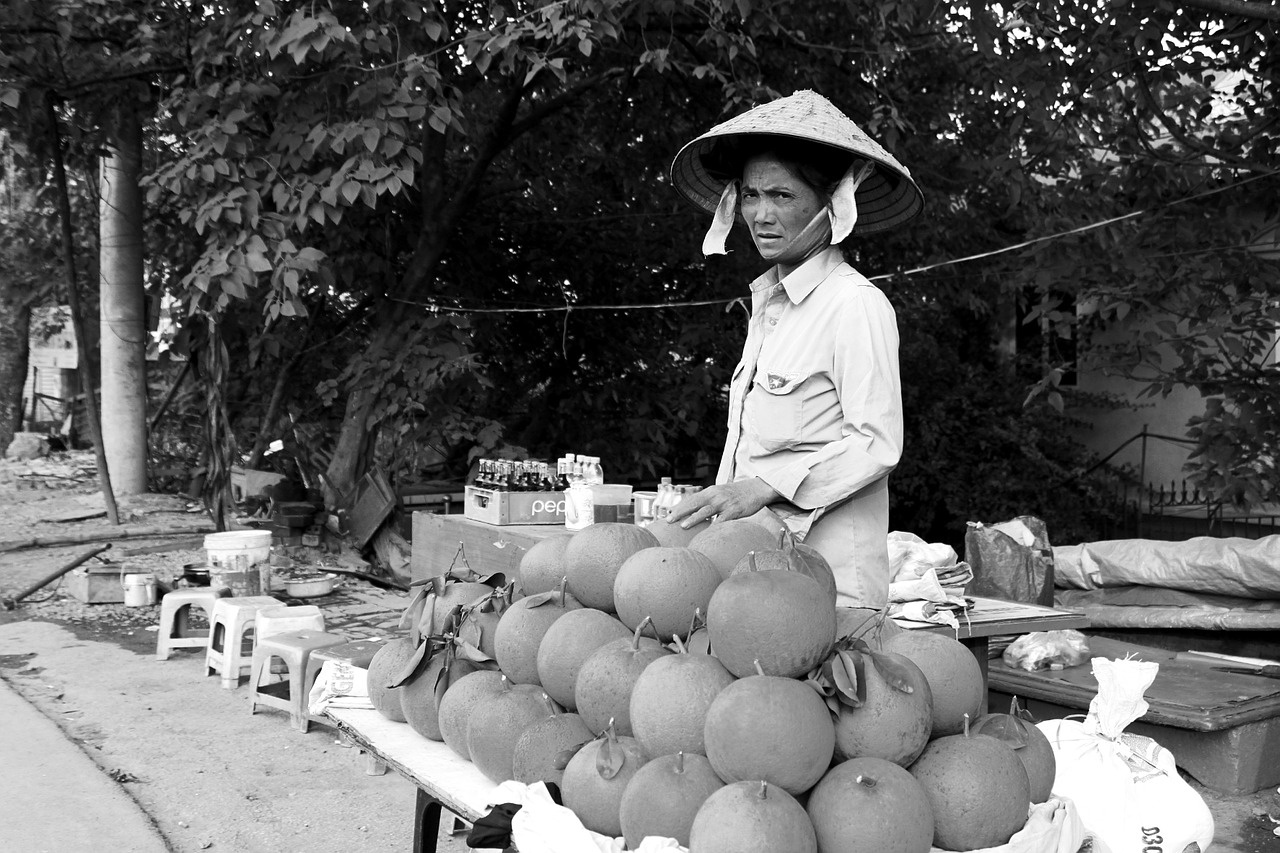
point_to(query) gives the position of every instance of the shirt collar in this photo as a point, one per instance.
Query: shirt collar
(805, 278)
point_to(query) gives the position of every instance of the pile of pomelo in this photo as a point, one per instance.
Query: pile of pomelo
(702, 687)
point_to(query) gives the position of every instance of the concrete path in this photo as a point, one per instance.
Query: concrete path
(54, 798)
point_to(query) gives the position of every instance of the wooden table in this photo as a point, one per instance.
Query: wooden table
(444, 779)
(993, 617)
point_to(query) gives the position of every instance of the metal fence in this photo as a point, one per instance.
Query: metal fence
(1177, 511)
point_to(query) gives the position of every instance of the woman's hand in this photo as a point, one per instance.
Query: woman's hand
(738, 499)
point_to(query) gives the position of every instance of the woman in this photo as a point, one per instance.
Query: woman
(815, 408)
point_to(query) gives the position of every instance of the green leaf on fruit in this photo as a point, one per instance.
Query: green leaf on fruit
(610, 758)
(894, 672)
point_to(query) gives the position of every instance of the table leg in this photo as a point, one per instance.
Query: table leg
(426, 822)
(981, 648)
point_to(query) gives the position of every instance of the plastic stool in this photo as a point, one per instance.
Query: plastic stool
(231, 620)
(277, 620)
(175, 609)
(294, 648)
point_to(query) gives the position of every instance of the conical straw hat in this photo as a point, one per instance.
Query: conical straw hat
(888, 197)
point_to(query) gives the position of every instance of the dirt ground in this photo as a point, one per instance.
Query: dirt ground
(210, 775)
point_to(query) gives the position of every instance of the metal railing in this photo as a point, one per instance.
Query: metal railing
(1178, 511)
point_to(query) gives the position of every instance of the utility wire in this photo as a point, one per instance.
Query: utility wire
(436, 307)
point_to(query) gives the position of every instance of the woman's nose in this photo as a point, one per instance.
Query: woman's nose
(763, 212)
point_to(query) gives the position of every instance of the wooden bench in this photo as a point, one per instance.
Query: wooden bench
(1223, 728)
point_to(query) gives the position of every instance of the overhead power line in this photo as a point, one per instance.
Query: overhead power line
(567, 307)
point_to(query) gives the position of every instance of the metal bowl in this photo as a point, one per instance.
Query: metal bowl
(309, 587)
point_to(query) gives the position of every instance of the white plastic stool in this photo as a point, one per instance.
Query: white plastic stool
(232, 619)
(277, 620)
(294, 648)
(175, 610)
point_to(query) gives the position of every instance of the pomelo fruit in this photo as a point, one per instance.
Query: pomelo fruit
(783, 620)
(664, 795)
(542, 566)
(521, 628)
(539, 754)
(419, 697)
(594, 555)
(727, 542)
(978, 790)
(670, 699)
(752, 817)
(568, 643)
(497, 723)
(479, 623)
(385, 666)
(667, 586)
(453, 715)
(1030, 745)
(672, 535)
(873, 627)
(606, 679)
(895, 718)
(869, 804)
(456, 594)
(596, 778)
(955, 677)
(790, 555)
(771, 728)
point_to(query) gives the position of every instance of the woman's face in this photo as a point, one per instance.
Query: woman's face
(776, 206)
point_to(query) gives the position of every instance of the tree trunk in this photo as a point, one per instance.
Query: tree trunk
(123, 344)
(15, 324)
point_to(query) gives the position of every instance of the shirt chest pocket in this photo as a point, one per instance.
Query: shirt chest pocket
(776, 404)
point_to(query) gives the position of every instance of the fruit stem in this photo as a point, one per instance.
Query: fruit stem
(759, 668)
(564, 588)
(635, 640)
(966, 725)
(680, 761)
(764, 790)
(865, 781)
(680, 649)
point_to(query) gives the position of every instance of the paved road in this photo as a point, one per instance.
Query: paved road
(54, 798)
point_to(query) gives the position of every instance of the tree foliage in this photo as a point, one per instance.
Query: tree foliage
(429, 230)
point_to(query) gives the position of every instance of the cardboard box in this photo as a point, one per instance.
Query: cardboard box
(494, 507)
(98, 584)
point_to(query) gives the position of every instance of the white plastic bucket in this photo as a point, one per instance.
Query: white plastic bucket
(240, 560)
(139, 590)
(222, 549)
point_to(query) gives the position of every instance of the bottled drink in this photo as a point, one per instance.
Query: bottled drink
(665, 500)
(593, 472)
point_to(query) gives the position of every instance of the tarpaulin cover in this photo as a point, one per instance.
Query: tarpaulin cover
(1248, 568)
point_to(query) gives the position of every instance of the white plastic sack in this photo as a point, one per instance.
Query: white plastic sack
(910, 556)
(1053, 826)
(339, 684)
(1126, 787)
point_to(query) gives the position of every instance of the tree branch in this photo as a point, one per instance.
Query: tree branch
(1242, 8)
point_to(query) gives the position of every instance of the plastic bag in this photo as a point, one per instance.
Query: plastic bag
(1126, 787)
(1053, 826)
(910, 556)
(1047, 650)
(1011, 560)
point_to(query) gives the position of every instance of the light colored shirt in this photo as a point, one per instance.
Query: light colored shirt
(815, 410)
